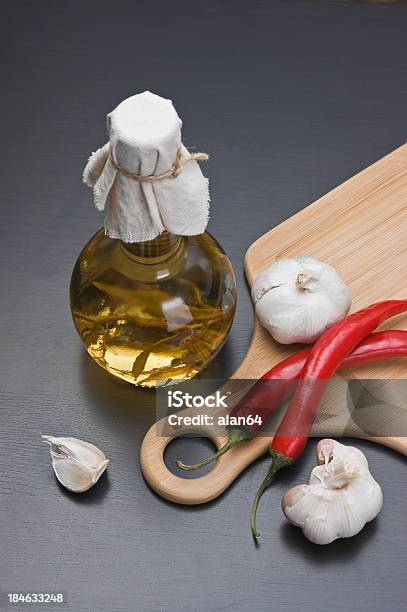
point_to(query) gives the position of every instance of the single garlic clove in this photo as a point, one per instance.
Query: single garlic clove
(72, 474)
(77, 464)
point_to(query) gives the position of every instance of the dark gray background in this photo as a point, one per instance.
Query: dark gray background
(290, 98)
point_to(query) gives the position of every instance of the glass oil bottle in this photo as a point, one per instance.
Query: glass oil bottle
(151, 312)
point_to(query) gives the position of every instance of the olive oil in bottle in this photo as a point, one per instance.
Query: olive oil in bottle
(156, 311)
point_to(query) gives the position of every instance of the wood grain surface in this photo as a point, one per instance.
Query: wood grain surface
(290, 98)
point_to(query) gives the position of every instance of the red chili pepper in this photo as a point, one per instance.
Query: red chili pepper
(324, 359)
(263, 399)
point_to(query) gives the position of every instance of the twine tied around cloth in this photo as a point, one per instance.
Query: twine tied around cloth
(173, 172)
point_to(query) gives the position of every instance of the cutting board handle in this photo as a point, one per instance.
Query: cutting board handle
(196, 490)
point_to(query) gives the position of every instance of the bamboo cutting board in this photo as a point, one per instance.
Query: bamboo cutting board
(361, 229)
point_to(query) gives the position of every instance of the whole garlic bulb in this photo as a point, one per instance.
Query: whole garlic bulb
(297, 299)
(78, 465)
(341, 497)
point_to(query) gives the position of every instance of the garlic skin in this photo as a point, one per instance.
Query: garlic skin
(297, 299)
(78, 465)
(341, 497)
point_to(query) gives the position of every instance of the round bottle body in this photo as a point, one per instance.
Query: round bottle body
(153, 313)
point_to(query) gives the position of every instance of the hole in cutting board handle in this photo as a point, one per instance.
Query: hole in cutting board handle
(189, 449)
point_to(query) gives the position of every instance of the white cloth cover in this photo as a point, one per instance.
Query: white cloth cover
(144, 136)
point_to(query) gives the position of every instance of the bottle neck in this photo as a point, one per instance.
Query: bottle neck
(153, 251)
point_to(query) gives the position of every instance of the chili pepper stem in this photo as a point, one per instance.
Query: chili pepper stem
(237, 435)
(278, 461)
